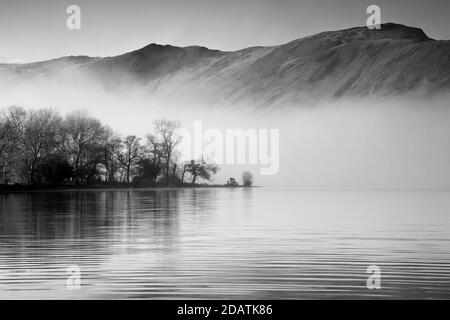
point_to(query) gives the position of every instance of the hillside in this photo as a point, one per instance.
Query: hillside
(348, 63)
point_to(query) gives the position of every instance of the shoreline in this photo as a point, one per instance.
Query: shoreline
(37, 188)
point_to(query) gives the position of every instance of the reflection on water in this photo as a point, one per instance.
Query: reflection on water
(225, 243)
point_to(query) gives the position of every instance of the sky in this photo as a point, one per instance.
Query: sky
(34, 30)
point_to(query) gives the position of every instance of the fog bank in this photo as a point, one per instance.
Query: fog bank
(360, 143)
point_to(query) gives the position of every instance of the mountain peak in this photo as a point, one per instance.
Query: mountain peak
(387, 31)
(399, 31)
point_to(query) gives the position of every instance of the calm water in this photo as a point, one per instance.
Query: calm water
(225, 243)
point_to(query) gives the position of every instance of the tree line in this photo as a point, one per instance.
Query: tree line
(42, 147)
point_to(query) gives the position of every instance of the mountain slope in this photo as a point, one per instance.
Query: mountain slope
(354, 62)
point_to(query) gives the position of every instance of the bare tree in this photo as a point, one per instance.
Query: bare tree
(154, 148)
(8, 134)
(130, 154)
(41, 147)
(81, 133)
(183, 171)
(8, 142)
(167, 132)
(111, 146)
(38, 131)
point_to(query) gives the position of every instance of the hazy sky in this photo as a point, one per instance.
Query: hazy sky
(33, 30)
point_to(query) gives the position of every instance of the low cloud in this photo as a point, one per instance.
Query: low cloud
(396, 142)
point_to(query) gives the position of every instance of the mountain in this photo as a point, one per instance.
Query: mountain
(355, 62)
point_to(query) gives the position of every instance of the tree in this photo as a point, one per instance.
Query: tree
(202, 170)
(146, 171)
(40, 146)
(169, 139)
(111, 147)
(231, 182)
(8, 143)
(92, 163)
(8, 133)
(130, 154)
(38, 131)
(247, 178)
(155, 151)
(183, 172)
(81, 135)
(54, 169)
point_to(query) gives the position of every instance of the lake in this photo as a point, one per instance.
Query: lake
(256, 243)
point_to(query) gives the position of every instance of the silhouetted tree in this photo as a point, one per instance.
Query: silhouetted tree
(92, 163)
(38, 131)
(81, 135)
(111, 147)
(8, 142)
(202, 170)
(154, 150)
(54, 169)
(146, 171)
(39, 146)
(183, 172)
(130, 154)
(166, 131)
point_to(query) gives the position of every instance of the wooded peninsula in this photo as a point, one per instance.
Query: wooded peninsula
(40, 148)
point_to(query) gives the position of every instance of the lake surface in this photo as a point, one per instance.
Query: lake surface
(257, 243)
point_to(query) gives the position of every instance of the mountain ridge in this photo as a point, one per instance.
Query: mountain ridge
(354, 62)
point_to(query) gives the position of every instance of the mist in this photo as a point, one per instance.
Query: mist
(390, 142)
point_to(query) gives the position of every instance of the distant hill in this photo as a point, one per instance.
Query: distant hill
(348, 63)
